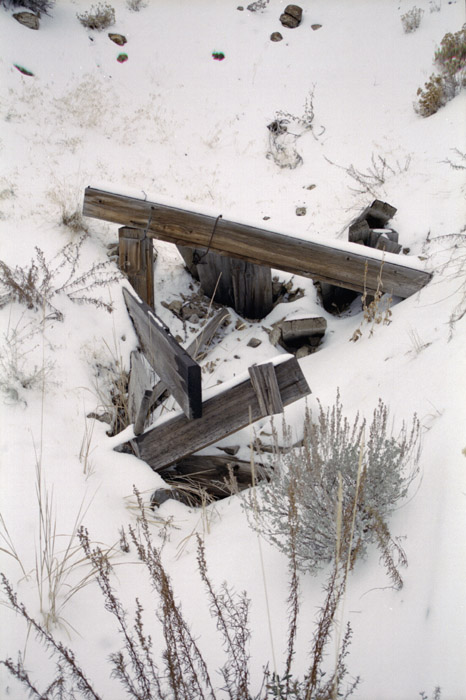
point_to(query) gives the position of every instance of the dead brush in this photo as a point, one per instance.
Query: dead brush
(376, 308)
(40, 285)
(179, 670)
(375, 176)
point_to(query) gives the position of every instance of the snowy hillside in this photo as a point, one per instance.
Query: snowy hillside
(173, 124)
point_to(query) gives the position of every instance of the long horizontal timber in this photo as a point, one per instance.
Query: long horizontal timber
(352, 270)
(174, 366)
(223, 413)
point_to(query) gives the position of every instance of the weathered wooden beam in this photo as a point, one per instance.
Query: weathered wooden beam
(225, 410)
(135, 260)
(171, 362)
(350, 268)
(264, 382)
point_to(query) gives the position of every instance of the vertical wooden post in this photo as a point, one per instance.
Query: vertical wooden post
(136, 254)
(242, 285)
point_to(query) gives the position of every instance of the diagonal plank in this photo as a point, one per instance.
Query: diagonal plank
(226, 409)
(175, 367)
(345, 265)
(142, 377)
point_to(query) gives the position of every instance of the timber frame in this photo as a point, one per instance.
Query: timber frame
(345, 266)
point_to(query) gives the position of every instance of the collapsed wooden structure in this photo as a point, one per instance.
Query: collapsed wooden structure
(243, 256)
(203, 418)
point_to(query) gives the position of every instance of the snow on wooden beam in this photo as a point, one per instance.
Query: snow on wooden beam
(226, 409)
(344, 265)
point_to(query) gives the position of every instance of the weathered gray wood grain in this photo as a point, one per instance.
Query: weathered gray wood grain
(173, 364)
(264, 382)
(222, 414)
(350, 269)
(136, 261)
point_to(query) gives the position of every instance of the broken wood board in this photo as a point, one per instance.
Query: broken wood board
(143, 377)
(348, 266)
(173, 364)
(264, 382)
(226, 409)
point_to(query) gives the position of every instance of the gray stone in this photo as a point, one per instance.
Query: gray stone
(276, 36)
(292, 16)
(301, 211)
(314, 27)
(229, 450)
(175, 306)
(117, 39)
(28, 19)
(295, 11)
(254, 343)
(303, 351)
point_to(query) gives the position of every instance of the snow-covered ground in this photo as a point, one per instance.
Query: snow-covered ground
(174, 124)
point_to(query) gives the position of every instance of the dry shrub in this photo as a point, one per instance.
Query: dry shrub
(40, 285)
(98, 17)
(411, 20)
(443, 87)
(337, 464)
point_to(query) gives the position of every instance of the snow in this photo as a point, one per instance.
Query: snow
(192, 132)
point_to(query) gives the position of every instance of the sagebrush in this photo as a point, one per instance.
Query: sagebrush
(99, 17)
(442, 87)
(40, 285)
(411, 20)
(338, 462)
(23, 363)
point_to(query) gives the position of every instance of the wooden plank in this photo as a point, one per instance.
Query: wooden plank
(141, 377)
(142, 413)
(136, 261)
(264, 382)
(145, 377)
(171, 362)
(196, 347)
(351, 269)
(225, 410)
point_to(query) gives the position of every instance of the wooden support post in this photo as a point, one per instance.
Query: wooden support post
(225, 410)
(136, 255)
(244, 286)
(175, 367)
(344, 265)
(264, 382)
